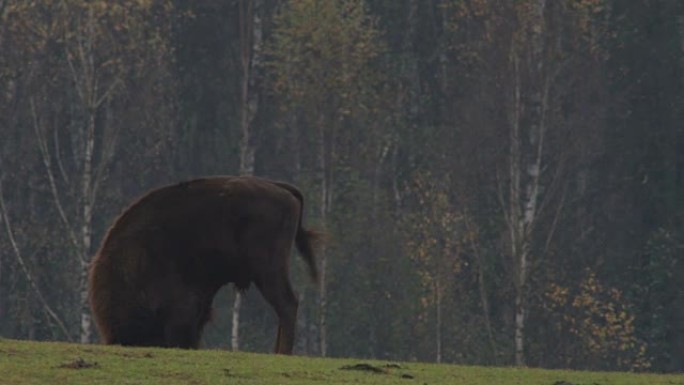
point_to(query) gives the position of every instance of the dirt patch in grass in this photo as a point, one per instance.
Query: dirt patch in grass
(378, 369)
(9, 352)
(365, 367)
(79, 363)
(135, 355)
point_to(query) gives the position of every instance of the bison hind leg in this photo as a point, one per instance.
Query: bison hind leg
(278, 292)
(141, 327)
(181, 334)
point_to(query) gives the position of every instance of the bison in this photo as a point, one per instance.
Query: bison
(161, 263)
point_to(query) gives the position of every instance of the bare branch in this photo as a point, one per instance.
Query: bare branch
(58, 156)
(499, 185)
(552, 229)
(109, 143)
(107, 93)
(3, 4)
(42, 144)
(29, 277)
(534, 208)
(74, 75)
(90, 34)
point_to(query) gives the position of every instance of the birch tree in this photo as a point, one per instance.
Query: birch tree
(251, 32)
(102, 46)
(19, 255)
(526, 143)
(547, 38)
(25, 38)
(528, 74)
(93, 92)
(322, 57)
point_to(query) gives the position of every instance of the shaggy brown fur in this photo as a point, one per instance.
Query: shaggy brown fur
(154, 278)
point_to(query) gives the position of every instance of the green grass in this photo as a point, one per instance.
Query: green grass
(24, 362)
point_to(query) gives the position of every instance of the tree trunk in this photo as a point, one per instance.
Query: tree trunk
(250, 55)
(322, 320)
(235, 329)
(250, 50)
(85, 325)
(482, 288)
(438, 326)
(86, 228)
(322, 177)
(514, 216)
(528, 126)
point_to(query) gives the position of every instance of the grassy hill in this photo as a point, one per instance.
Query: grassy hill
(24, 362)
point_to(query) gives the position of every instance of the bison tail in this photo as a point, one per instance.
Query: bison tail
(306, 241)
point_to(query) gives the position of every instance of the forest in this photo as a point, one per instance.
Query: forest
(501, 182)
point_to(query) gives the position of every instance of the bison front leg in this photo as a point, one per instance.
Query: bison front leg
(278, 292)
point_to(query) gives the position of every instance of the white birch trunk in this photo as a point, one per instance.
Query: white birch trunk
(235, 329)
(514, 215)
(250, 49)
(86, 224)
(526, 161)
(84, 71)
(90, 96)
(85, 324)
(250, 56)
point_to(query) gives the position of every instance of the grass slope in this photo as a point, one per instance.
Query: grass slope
(24, 362)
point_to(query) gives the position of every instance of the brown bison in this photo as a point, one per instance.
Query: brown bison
(154, 278)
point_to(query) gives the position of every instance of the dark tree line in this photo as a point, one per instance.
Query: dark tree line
(501, 181)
